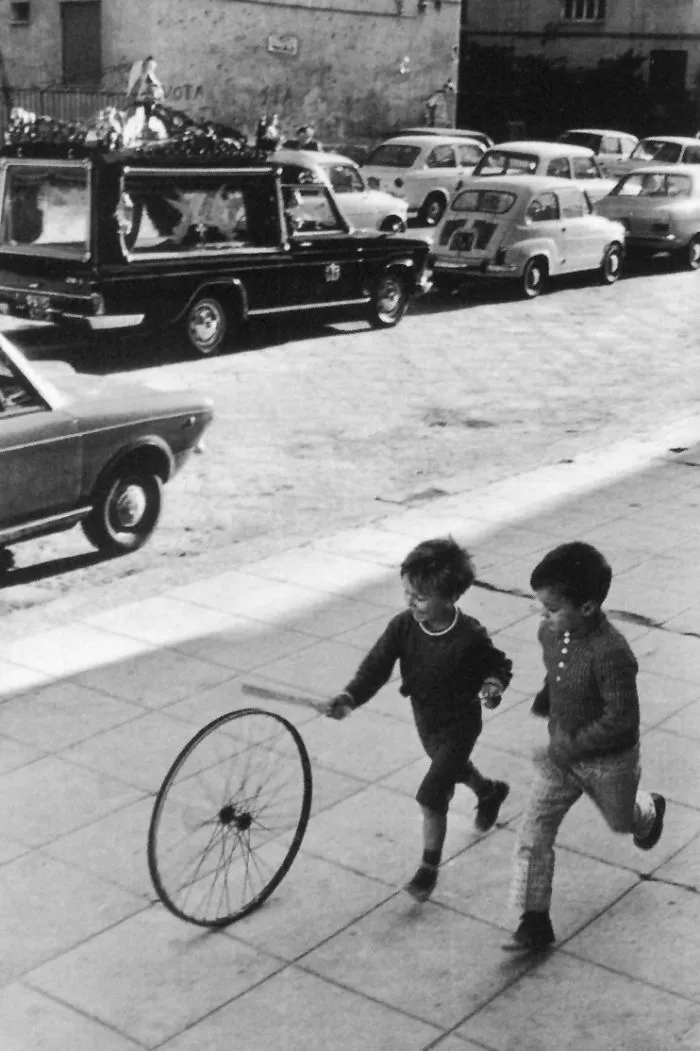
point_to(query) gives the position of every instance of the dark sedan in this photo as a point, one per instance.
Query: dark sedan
(89, 451)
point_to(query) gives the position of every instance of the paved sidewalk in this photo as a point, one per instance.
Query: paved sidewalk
(92, 714)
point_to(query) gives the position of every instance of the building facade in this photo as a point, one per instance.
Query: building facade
(355, 68)
(647, 49)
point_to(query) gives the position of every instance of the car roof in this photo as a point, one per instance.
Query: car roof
(682, 140)
(545, 149)
(458, 133)
(311, 157)
(429, 141)
(666, 169)
(600, 131)
(521, 183)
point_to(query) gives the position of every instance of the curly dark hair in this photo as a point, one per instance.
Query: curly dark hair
(439, 566)
(576, 571)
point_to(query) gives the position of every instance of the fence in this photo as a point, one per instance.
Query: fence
(62, 103)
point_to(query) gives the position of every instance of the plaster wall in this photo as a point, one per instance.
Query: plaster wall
(340, 64)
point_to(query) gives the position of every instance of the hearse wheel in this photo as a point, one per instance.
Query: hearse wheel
(534, 278)
(393, 225)
(389, 300)
(207, 324)
(126, 511)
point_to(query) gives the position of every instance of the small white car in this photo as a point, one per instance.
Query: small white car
(608, 146)
(364, 208)
(658, 149)
(558, 159)
(458, 133)
(423, 170)
(524, 229)
(660, 207)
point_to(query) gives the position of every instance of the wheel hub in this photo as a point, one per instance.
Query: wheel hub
(204, 325)
(130, 506)
(228, 815)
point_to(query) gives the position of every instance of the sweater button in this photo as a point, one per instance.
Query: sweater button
(561, 664)
(564, 649)
(558, 679)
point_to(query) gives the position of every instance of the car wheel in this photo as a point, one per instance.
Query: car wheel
(534, 278)
(611, 267)
(691, 254)
(393, 225)
(125, 512)
(206, 324)
(389, 299)
(433, 210)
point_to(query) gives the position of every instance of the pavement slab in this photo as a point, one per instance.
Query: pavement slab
(28, 1018)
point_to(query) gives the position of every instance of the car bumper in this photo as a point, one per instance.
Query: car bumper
(658, 243)
(477, 268)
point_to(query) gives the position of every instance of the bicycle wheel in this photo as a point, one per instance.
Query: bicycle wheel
(229, 817)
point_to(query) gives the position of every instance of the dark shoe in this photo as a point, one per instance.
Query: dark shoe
(534, 934)
(423, 883)
(488, 806)
(654, 834)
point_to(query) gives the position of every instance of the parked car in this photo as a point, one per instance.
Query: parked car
(146, 237)
(608, 146)
(660, 208)
(524, 229)
(83, 450)
(364, 208)
(457, 133)
(658, 149)
(424, 170)
(559, 160)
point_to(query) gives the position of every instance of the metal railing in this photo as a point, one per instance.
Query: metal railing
(62, 103)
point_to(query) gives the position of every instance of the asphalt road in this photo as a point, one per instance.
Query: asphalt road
(319, 426)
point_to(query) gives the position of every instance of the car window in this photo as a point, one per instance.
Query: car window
(609, 144)
(393, 155)
(46, 209)
(468, 154)
(679, 186)
(496, 202)
(655, 150)
(691, 155)
(581, 138)
(345, 179)
(586, 168)
(572, 203)
(441, 157)
(503, 162)
(180, 211)
(559, 167)
(543, 208)
(308, 209)
(16, 395)
(628, 144)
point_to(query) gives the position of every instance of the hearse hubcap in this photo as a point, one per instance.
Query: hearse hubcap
(130, 507)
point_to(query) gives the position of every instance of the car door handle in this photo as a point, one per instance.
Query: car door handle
(563, 229)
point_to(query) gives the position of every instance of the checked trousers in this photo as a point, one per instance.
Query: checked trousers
(612, 782)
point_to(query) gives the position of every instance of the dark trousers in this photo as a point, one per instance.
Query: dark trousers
(449, 748)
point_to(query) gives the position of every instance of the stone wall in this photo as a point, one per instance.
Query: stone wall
(356, 68)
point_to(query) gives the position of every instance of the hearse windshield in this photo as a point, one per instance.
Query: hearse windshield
(46, 209)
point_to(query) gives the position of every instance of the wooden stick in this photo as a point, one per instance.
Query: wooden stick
(282, 696)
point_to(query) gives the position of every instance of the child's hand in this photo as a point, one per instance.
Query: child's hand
(490, 694)
(338, 707)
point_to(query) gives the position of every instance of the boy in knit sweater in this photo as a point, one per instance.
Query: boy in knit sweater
(590, 698)
(448, 664)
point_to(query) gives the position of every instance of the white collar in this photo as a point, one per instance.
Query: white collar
(444, 631)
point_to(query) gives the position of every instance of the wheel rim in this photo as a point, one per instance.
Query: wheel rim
(389, 298)
(694, 254)
(206, 326)
(229, 818)
(128, 507)
(433, 212)
(534, 278)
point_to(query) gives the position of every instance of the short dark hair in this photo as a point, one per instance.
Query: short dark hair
(440, 566)
(577, 571)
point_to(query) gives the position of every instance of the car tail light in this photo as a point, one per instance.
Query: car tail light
(98, 304)
(398, 182)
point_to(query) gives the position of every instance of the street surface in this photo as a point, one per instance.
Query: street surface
(318, 427)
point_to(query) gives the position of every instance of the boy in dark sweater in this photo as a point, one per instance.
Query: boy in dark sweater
(448, 665)
(590, 698)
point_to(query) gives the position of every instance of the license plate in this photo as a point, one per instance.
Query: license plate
(38, 307)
